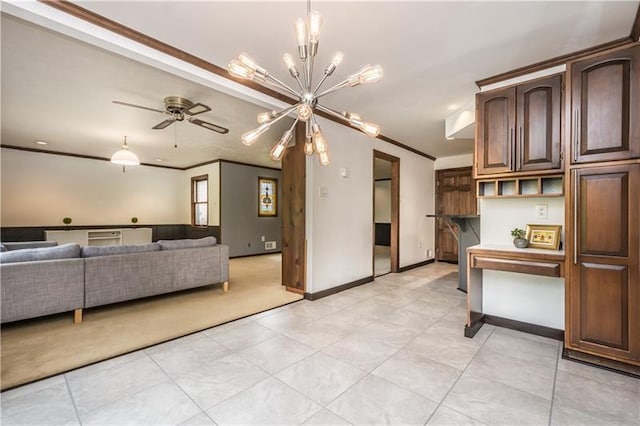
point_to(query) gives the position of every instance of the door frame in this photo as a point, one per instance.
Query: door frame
(395, 209)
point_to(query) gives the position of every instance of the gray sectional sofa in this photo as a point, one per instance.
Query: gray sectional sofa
(47, 280)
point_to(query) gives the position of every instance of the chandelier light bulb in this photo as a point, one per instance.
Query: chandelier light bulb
(239, 70)
(265, 117)
(304, 112)
(301, 37)
(250, 137)
(337, 59)
(308, 147)
(370, 129)
(288, 61)
(319, 142)
(324, 158)
(278, 149)
(315, 22)
(247, 61)
(371, 74)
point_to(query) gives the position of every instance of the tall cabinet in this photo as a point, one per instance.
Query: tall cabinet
(603, 209)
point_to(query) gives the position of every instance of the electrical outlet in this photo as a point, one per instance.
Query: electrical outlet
(429, 253)
(542, 211)
(262, 239)
(270, 245)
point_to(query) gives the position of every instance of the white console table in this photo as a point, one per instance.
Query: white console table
(101, 237)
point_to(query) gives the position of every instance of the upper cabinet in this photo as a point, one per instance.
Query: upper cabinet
(605, 107)
(518, 129)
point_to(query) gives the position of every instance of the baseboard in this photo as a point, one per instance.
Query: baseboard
(600, 362)
(255, 254)
(415, 265)
(525, 327)
(338, 289)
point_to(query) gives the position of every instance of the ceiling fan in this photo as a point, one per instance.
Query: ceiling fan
(180, 108)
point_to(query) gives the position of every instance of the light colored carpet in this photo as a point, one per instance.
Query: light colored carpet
(43, 347)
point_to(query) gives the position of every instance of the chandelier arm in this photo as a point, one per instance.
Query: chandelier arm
(288, 111)
(310, 73)
(324, 77)
(305, 74)
(334, 88)
(300, 85)
(282, 85)
(291, 129)
(331, 112)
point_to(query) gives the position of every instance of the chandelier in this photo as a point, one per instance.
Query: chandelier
(307, 32)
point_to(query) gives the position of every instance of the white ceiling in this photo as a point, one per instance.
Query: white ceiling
(432, 53)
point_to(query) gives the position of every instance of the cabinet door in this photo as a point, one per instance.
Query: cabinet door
(605, 279)
(538, 120)
(605, 106)
(495, 131)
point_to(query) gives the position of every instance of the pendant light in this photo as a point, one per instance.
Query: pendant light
(125, 157)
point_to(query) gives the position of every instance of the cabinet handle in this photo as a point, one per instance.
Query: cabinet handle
(519, 152)
(575, 217)
(511, 149)
(575, 134)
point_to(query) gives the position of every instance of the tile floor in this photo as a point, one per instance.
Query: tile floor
(389, 352)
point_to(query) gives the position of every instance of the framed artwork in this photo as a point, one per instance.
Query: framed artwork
(267, 197)
(544, 236)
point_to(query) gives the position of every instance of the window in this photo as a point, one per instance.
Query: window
(199, 200)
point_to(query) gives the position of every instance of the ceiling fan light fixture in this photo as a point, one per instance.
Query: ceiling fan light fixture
(125, 157)
(307, 32)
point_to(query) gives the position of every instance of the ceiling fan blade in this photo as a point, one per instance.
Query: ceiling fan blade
(139, 106)
(209, 126)
(196, 109)
(164, 124)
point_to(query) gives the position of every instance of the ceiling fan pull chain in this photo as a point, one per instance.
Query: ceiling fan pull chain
(175, 136)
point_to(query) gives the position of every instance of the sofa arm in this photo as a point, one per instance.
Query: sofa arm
(33, 289)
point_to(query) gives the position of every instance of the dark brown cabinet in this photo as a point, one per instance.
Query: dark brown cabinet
(605, 107)
(519, 128)
(604, 286)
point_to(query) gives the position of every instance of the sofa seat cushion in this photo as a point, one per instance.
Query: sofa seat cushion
(65, 251)
(95, 251)
(187, 243)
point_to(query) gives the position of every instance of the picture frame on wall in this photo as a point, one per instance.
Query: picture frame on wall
(267, 197)
(544, 236)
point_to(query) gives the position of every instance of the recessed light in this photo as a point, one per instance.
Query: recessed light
(452, 107)
(159, 160)
(450, 138)
(42, 143)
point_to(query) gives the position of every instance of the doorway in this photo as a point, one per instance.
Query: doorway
(455, 195)
(386, 202)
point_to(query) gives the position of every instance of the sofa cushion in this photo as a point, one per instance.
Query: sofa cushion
(187, 243)
(10, 246)
(95, 251)
(2, 248)
(65, 251)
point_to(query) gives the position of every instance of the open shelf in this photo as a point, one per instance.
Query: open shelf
(519, 187)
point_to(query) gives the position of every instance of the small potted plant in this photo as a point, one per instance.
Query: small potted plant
(67, 221)
(519, 239)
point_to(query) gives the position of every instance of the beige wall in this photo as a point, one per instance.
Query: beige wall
(40, 189)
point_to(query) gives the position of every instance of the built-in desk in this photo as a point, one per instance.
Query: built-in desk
(549, 263)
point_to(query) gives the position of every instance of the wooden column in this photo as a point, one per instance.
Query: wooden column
(293, 214)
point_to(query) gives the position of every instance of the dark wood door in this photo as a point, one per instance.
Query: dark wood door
(455, 194)
(539, 113)
(496, 116)
(605, 274)
(605, 106)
